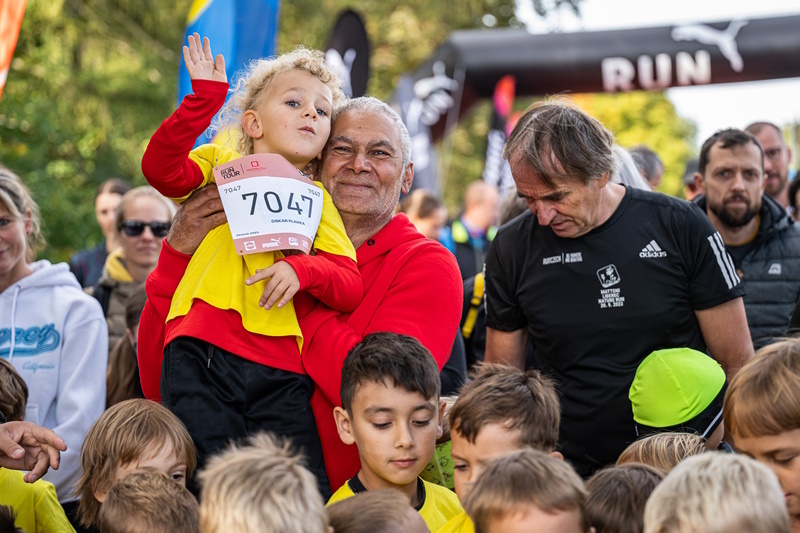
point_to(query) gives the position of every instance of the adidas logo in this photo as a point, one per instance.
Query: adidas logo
(652, 250)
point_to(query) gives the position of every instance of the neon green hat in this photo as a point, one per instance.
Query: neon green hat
(678, 389)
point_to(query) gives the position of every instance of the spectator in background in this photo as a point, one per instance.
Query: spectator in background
(776, 159)
(470, 235)
(426, 211)
(762, 240)
(60, 342)
(649, 164)
(627, 173)
(87, 265)
(142, 220)
(794, 188)
(123, 368)
(690, 189)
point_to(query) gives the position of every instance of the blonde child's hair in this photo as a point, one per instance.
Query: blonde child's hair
(617, 496)
(763, 398)
(522, 479)
(13, 392)
(663, 450)
(16, 198)
(384, 510)
(523, 401)
(149, 502)
(717, 493)
(250, 84)
(122, 435)
(261, 486)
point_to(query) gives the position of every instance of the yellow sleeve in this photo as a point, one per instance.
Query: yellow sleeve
(331, 236)
(207, 157)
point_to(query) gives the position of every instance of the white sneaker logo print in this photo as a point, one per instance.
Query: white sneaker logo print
(652, 250)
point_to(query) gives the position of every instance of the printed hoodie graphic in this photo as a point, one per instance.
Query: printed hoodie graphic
(56, 337)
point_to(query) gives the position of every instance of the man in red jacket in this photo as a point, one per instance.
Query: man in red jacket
(412, 285)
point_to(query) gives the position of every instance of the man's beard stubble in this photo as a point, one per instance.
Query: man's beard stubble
(731, 220)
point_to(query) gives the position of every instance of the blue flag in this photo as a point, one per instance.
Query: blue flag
(240, 30)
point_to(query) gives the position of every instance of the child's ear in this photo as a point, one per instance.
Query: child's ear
(100, 495)
(251, 125)
(343, 425)
(557, 455)
(440, 429)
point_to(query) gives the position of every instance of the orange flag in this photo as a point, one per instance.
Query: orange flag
(11, 12)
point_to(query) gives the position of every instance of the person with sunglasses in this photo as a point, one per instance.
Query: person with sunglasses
(143, 218)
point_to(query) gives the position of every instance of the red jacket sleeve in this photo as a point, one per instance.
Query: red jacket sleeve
(160, 286)
(332, 279)
(166, 163)
(423, 301)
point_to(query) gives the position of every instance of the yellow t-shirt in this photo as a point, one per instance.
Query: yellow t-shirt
(36, 504)
(216, 273)
(461, 523)
(440, 504)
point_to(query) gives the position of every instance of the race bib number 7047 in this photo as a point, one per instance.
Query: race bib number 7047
(269, 204)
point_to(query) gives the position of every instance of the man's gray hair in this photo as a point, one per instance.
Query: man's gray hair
(372, 104)
(561, 143)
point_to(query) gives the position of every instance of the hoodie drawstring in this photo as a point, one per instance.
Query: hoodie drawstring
(14, 299)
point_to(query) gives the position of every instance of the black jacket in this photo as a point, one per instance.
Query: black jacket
(770, 272)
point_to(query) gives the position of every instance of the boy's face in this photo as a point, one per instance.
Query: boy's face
(395, 431)
(781, 453)
(534, 519)
(155, 459)
(292, 118)
(470, 458)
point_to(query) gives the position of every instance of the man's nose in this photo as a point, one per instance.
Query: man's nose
(360, 162)
(545, 214)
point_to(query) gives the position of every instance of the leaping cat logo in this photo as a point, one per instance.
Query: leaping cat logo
(725, 40)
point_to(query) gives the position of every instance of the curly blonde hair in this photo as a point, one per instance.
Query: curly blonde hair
(249, 86)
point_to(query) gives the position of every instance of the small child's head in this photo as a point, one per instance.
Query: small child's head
(13, 392)
(132, 436)
(679, 390)
(617, 496)
(717, 493)
(528, 490)
(273, 99)
(149, 502)
(8, 520)
(261, 486)
(762, 412)
(501, 410)
(390, 408)
(663, 450)
(384, 510)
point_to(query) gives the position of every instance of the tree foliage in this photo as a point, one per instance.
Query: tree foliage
(92, 79)
(647, 118)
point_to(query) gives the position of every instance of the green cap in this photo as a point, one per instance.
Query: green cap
(678, 389)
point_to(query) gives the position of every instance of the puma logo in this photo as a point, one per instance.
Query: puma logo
(725, 40)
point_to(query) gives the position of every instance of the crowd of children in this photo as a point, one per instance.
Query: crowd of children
(500, 470)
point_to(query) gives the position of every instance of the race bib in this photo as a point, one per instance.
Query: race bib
(270, 205)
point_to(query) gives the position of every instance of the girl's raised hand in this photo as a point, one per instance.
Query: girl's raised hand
(199, 61)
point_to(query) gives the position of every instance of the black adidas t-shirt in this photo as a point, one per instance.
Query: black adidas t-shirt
(597, 305)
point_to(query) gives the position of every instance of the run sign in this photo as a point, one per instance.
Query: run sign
(270, 205)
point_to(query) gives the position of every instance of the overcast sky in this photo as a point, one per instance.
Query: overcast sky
(714, 106)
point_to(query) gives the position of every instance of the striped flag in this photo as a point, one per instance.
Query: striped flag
(240, 30)
(11, 12)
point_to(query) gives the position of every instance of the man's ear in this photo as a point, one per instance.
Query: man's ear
(699, 183)
(251, 125)
(408, 178)
(440, 429)
(344, 425)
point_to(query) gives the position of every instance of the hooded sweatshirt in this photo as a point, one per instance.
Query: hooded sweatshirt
(60, 348)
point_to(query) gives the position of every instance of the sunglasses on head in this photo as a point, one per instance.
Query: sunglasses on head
(134, 228)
